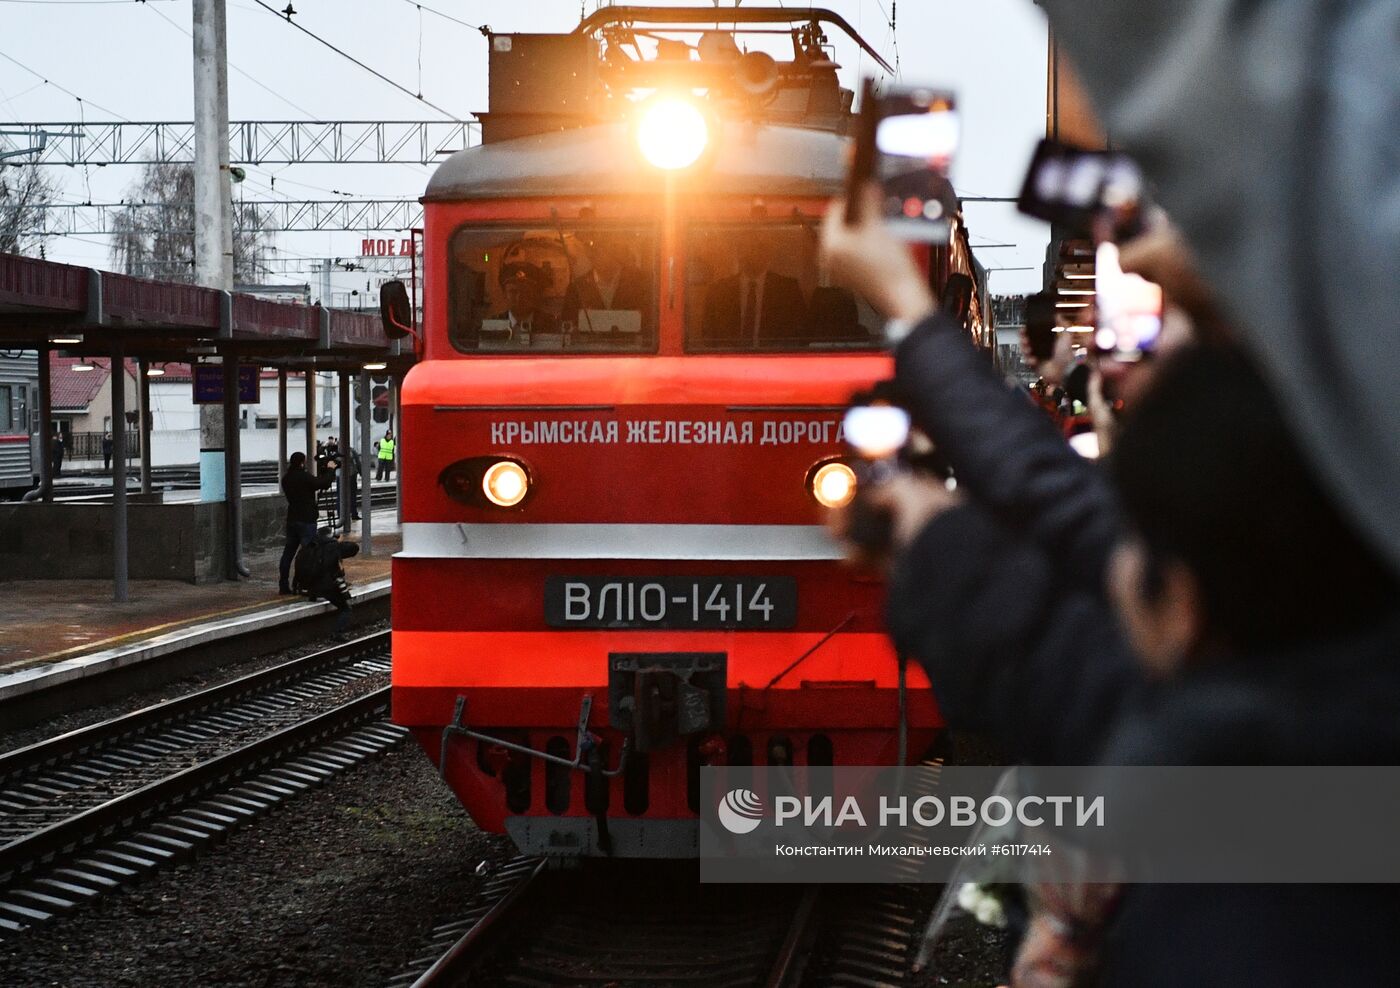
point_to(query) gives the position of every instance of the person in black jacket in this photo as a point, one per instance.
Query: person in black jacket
(755, 307)
(1262, 632)
(300, 488)
(612, 282)
(320, 573)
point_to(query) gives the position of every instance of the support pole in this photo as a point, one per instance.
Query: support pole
(45, 426)
(119, 531)
(310, 418)
(344, 475)
(143, 371)
(213, 208)
(233, 474)
(281, 420)
(213, 189)
(366, 481)
(397, 426)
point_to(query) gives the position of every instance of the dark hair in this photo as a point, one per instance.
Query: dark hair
(1211, 477)
(297, 460)
(1040, 325)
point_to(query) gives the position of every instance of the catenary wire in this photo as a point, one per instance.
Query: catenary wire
(374, 72)
(251, 78)
(64, 89)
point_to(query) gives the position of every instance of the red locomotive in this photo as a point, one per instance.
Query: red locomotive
(621, 431)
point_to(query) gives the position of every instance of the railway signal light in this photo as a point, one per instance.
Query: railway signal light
(672, 133)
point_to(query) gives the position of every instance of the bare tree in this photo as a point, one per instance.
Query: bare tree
(159, 243)
(24, 192)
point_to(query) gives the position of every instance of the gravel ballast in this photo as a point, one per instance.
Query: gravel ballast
(339, 887)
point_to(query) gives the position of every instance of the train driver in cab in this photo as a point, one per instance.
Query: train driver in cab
(523, 284)
(613, 282)
(755, 306)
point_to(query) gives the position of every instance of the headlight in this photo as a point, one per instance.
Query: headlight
(672, 133)
(505, 483)
(834, 485)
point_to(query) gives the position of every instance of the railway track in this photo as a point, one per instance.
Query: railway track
(91, 810)
(621, 924)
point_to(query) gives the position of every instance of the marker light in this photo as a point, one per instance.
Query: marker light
(834, 485)
(505, 483)
(672, 133)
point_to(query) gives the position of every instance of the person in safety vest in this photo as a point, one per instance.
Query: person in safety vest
(386, 458)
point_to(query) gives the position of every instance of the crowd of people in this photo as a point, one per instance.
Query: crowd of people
(1220, 586)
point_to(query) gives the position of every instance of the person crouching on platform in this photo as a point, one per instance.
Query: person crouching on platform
(300, 487)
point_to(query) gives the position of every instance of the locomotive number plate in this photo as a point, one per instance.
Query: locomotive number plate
(705, 602)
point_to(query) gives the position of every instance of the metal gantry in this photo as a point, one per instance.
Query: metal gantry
(251, 142)
(273, 216)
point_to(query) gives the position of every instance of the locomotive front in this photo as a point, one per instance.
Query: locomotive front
(618, 442)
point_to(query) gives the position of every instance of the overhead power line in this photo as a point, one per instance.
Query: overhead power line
(483, 28)
(83, 3)
(249, 76)
(346, 55)
(251, 142)
(63, 89)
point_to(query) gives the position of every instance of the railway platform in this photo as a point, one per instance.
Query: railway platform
(59, 632)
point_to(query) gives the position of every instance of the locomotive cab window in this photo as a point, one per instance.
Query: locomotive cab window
(760, 288)
(553, 290)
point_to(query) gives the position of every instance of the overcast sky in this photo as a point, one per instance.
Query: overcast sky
(126, 61)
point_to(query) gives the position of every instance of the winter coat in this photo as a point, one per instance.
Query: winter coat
(300, 489)
(1006, 454)
(1014, 651)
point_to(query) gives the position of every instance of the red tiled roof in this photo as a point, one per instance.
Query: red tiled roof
(73, 391)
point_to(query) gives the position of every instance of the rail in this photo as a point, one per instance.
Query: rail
(89, 791)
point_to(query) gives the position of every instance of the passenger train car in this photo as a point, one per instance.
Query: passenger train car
(19, 422)
(621, 431)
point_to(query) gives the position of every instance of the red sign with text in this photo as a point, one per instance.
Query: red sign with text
(386, 247)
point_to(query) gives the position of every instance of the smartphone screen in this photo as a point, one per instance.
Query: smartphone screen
(1129, 308)
(905, 139)
(1090, 193)
(876, 431)
(916, 137)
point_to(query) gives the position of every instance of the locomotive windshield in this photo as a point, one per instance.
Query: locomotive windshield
(549, 289)
(760, 288)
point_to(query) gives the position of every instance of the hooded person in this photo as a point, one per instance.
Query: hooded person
(1268, 133)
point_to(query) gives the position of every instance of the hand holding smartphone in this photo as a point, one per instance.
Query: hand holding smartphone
(1100, 195)
(1129, 306)
(905, 140)
(1090, 193)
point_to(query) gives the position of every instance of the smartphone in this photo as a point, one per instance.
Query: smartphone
(876, 432)
(906, 137)
(1098, 194)
(1129, 309)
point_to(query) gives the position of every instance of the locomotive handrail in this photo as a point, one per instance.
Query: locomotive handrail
(607, 16)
